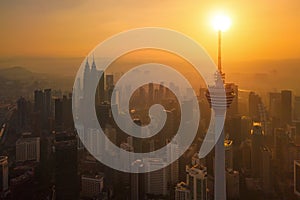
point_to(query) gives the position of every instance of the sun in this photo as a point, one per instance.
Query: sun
(221, 22)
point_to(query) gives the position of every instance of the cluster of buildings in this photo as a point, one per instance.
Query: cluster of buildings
(49, 160)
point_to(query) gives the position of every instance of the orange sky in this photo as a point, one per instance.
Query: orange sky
(260, 29)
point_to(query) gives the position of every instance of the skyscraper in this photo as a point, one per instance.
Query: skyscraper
(257, 137)
(197, 182)
(275, 104)
(3, 173)
(233, 110)
(63, 113)
(91, 186)
(28, 148)
(228, 154)
(43, 106)
(156, 181)
(23, 112)
(297, 108)
(266, 169)
(173, 168)
(232, 184)
(66, 177)
(254, 102)
(297, 136)
(182, 192)
(286, 107)
(297, 177)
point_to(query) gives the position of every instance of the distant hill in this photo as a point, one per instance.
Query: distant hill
(20, 78)
(18, 73)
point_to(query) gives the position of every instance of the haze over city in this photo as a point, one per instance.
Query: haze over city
(72, 130)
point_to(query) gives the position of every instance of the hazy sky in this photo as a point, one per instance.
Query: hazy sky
(261, 29)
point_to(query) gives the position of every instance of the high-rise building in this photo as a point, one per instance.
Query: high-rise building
(257, 137)
(297, 108)
(239, 129)
(182, 192)
(91, 186)
(297, 177)
(150, 93)
(136, 142)
(23, 112)
(266, 169)
(66, 177)
(228, 154)
(47, 106)
(232, 184)
(297, 136)
(127, 159)
(233, 110)
(28, 148)
(156, 181)
(38, 100)
(254, 102)
(43, 106)
(197, 182)
(58, 113)
(63, 113)
(173, 168)
(103, 112)
(137, 181)
(109, 81)
(286, 107)
(3, 173)
(275, 104)
(246, 158)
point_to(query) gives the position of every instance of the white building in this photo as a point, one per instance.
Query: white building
(156, 181)
(124, 157)
(28, 149)
(91, 185)
(197, 181)
(172, 157)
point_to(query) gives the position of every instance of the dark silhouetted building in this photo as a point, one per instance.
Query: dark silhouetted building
(257, 137)
(3, 173)
(23, 108)
(66, 169)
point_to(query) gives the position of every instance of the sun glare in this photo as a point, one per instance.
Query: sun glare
(221, 22)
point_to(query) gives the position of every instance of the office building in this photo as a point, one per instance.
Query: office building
(23, 112)
(297, 177)
(66, 178)
(257, 137)
(156, 181)
(286, 107)
(228, 154)
(297, 108)
(274, 104)
(137, 181)
(91, 186)
(182, 192)
(232, 184)
(197, 182)
(28, 148)
(266, 169)
(43, 106)
(3, 173)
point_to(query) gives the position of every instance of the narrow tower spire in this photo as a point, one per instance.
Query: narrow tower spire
(219, 55)
(93, 64)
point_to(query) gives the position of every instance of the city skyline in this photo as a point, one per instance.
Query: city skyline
(187, 109)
